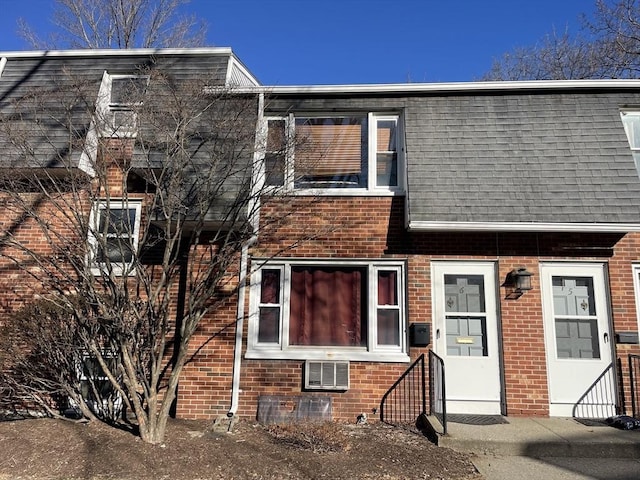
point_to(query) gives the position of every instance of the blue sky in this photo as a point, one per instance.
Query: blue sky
(302, 42)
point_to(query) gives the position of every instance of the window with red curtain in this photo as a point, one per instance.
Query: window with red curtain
(388, 309)
(269, 323)
(328, 306)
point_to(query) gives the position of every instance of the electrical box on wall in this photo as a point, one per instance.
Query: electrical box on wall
(420, 334)
(627, 337)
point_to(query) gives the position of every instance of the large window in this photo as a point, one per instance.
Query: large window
(328, 310)
(358, 152)
(113, 236)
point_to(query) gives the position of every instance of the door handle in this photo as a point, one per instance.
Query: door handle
(437, 334)
(606, 337)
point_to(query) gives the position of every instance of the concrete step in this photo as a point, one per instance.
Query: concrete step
(542, 437)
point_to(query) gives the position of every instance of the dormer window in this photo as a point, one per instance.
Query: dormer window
(631, 122)
(120, 97)
(355, 152)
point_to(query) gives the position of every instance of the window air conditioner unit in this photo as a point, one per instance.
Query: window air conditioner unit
(326, 375)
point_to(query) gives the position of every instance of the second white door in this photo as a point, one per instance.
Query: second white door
(578, 341)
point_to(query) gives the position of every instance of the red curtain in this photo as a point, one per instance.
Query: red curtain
(387, 287)
(269, 325)
(388, 320)
(326, 307)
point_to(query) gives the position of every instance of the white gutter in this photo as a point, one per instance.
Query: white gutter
(451, 87)
(419, 226)
(115, 52)
(537, 86)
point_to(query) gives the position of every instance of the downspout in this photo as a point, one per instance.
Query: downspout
(237, 351)
(254, 213)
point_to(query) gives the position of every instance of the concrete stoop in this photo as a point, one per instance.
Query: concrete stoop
(542, 437)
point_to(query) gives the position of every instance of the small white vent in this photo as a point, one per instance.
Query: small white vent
(326, 375)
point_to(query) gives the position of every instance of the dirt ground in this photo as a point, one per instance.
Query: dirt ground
(55, 449)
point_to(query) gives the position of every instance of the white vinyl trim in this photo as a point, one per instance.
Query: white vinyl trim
(98, 268)
(418, 226)
(636, 288)
(455, 86)
(118, 53)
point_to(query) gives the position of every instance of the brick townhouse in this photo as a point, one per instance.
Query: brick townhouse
(493, 224)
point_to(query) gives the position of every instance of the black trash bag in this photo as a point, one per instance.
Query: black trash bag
(624, 422)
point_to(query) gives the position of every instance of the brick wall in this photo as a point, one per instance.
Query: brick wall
(372, 227)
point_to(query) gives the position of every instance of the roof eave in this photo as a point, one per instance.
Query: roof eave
(426, 226)
(117, 52)
(451, 87)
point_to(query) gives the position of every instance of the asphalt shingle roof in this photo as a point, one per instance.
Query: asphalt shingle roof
(46, 100)
(521, 157)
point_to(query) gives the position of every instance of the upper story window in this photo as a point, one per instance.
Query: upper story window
(113, 236)
(631, 122)
(120, 96)
(316, 310)
(348, 152)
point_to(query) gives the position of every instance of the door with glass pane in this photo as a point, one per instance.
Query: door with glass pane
(581, 374)
(466, 335)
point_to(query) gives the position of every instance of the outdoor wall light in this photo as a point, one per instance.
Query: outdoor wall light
(522, 279)
(517, 282)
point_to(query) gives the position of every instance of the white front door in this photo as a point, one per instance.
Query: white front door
(466, 335)
(578, 341)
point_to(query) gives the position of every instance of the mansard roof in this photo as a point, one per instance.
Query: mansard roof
(536, 156)
(47, 98)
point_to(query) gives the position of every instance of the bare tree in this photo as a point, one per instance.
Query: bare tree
(127, 246)
(606, 46)
(118, 24)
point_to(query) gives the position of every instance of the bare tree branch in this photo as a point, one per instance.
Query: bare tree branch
(119, 24)
(124, 261)
(608, 46)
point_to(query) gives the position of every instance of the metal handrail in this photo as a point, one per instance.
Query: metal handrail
(634, 376)
(599, 398)
(406, 400)
(437, 393)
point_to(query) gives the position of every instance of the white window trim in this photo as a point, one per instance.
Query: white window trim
(283, 351)
(119, 269)
(635, 267)
(371, 189)
(106, 110)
